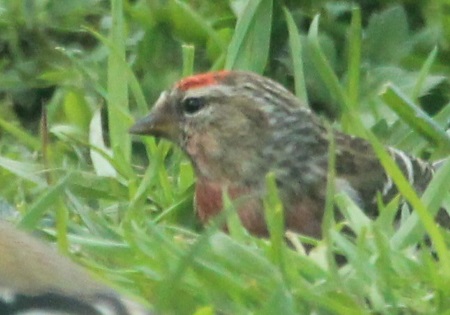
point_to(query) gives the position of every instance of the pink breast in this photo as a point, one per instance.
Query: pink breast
(208, 197)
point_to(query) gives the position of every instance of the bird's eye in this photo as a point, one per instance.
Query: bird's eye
(192, 105)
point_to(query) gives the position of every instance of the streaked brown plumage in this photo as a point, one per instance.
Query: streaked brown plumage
(237, 126)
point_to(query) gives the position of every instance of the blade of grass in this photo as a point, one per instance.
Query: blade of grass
(295, 47)
(406, 138)
(23, 137)
(355, 216)
(354, 59)
(118, 111)
(37, 210)
(328, 218)
(131, 78)
(26, 171)
(324, 68)
(135, 88)
(439, 187)
(197, 22)
(274, 214)
(281, 302)
(234, 224)
(188, 59)
(123, 169)
(415, 117)
(424, 71)
(249, 47)
(101, 165)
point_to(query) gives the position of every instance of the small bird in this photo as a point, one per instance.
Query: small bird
(34, 280)
(236, 126)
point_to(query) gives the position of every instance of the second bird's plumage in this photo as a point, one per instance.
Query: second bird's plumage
(35, 279)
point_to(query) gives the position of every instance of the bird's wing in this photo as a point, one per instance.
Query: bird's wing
(357, 163)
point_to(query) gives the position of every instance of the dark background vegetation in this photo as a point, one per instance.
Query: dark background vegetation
(48, 49)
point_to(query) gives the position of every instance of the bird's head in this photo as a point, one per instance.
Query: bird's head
(222, 120)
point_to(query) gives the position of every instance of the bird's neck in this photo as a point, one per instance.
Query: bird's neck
(215, 161)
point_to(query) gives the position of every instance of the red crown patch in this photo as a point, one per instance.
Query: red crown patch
(201, 80)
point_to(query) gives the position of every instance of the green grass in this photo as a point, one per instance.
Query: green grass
(130, 218)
